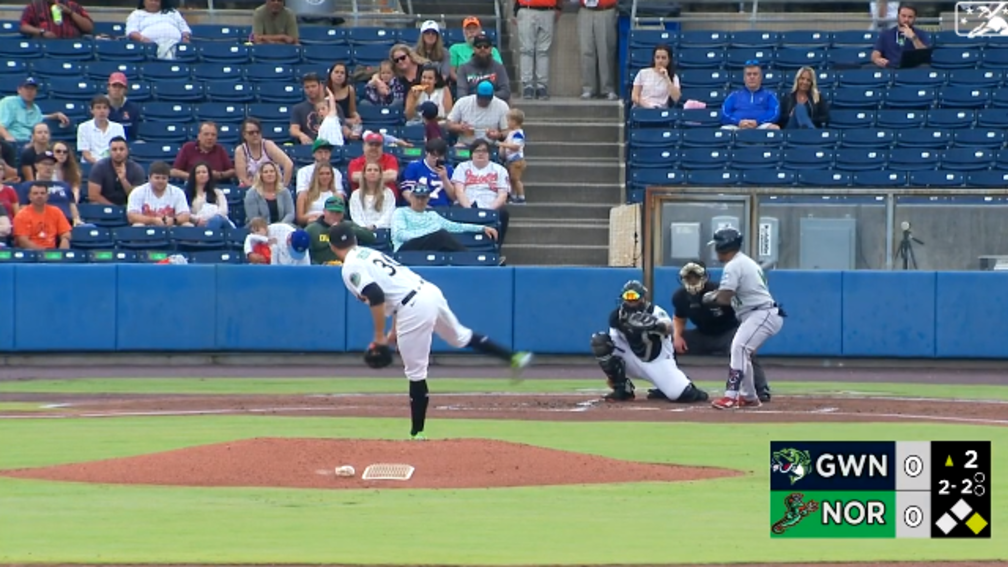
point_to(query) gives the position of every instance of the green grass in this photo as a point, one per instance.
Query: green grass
(724, 520)
(395, 385)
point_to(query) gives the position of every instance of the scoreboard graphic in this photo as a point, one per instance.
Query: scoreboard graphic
(880, 489)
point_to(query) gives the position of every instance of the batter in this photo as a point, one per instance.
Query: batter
(418, 309)
(743, 287)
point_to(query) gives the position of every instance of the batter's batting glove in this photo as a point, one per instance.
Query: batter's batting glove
(378, 356)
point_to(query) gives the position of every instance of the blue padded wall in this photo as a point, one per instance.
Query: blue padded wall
(166, 307)
(65, 310)
(888, 314)
(280, 308)
(813, 326)
(7, 307)
(971, 309)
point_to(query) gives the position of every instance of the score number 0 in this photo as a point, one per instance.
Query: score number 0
(913, 466)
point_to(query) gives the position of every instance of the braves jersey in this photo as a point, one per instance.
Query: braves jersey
(646, 346)
(364, 266)
(746, 278)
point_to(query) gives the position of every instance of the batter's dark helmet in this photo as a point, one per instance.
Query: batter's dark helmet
(727, 239)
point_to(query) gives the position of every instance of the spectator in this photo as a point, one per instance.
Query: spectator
(482, 184)
(751, 106)
(66, 169)
(655, 85)
(374, 151)
(274, 23)
(8, 173)
(156, 203)
(460, 53)
(891, 43)
(9, 200)
(431, 122)
(512, 152)
(319, 232)
(481, 115)
(5, 226)
(157, 21)
(255, 151)
(407, 64)
(268, 199)
(112, 179)
(431, 47)
(121, 110)
(94, 136)
(19, 113)
(322, 152)
(343, 94)
(55, 19)
(418, 228)
(61, 194)
(482, 68)
(38, 145)
(804, 107)
(287, 246)
(385, 88)
(597, 34)
(204, 148)
(207, 204)
(310, 203)
(536, 21)
(331, 130)
(372, 205)
(431, 88)
(433, 172)
(38, 225)
(305, 121)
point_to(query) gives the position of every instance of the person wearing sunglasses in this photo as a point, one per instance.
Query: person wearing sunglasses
(638, 345)
(752, 106)
(483, 67)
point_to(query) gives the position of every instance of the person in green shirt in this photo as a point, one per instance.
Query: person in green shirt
(274, 23)
(462, 52)
(334, 209)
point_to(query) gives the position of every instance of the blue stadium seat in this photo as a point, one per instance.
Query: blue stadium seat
(812, 138)
(474, 259)
(235, 237)
(967, 159)
(999, 98)
(329, 55)
(476, 241)
(975, 78)
(879, 178)
(963, 97)
(166, 71)
(755, 38)
(53, 68)
(806, 38)
(417, 258)
(99, 71)
(713, 98)
(227, 134)
(935, 138)
(825, 79)
(174, 112)
(694, 58)
(162, 132)
(701, 118)
(768, 177)
(913, 159)
(824, 178)
(978, 138)
(216, 257)
(220, 112)
(369, 54)
(950, 118)
(704, 158)
(276, 54)
(992, 118)
(74, 110)
(218, 72)
(1001, 159)
(797, 58)
(955, 58)
(75, 88)
(909, 97)
(655, 138)
(745, 159)
(270, 112)
(224, 53)
(704, 78)
(277, 131)
(155, 151)
(899, 119)
(191, 238)
(640, 58)
(142, 238)
(848, 57)
(856, 98)
(109, 216)
(987, 179)
(187, 53)
(705, 39)
(737, 58)
(92, 237)
(409, 36)
(759, 138)
(861, 159)
(363, 35)
(179, 91)
(994, 59)
(864, 78)
(68, 49)
(375, 116)
(10, 28)
(124, 51)
(844, 119)
(220, 32)
(656, 176)
(706, 138)
(950, 38)
(234, 93)
(867, 138)
(20, 48)
(807, 158)
(321, 35)
(650, 38)
(653, 158)
(14, 69)
(262, 72)
(854, 38)
(473, 216)
(712, 177)
(301, 154)
(937, 178)
(317, 68)
(279, 93)
(932, 78)
(653, 117)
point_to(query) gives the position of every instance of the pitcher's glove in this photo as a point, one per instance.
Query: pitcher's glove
(378, 356)
(643, 322)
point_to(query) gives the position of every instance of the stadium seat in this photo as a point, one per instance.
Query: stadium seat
(955, 58)
(654, 117)
(649, 176)
(279, 93)
(108, 256)
(474, 259)
(812, 138)
(761, 39)
(994, 59)
(229, 73)
(706, 138)
(950, 38)
(270, 112)
(712, 177)
(224, 53)
(234, 93)
(1001, 159)
(807, 158)
(473, 216)
(913, 159)
(854, 38)
(655, 138)
(227, 134)
(705, 39)
(844, 119)
(826, 79)
(162, 132)
(824, 178)
(220, 32)
(174, 112)
(860, 159)
(139, 91)
(91, 237)
(648, 39)
(864, 78)
(693, 58)
(159, 151)
(978, 138)
(992, 118)
(74, 110)
(926, 78)
(219, 112)
(18, 256)
(879, 178)
(191, 238)
(10, 28)
(967, 159)
(987, 179)
(737, 58)
(53, 68)
(640, 58)
(848, 57)
(68, 49)
(867, 138)
(20, 48)
(377, 36)
(704, 78)
(963, 97)
(935, 138)
(369, 55)
(653, 158)
(713, 98)
(14, 69)
(187, 53)
(745, 159)
(99, 71)
(179, 91)
(909, 97)
(759, 138)
(999, 98)
(768, 177)
(321, 35)
(704, 158)
(701, 117)
(975, 78)
(899, 119)
(476, 241)
(279, 132)
(276, 54)
(142, 238)
(329, 55)
(124, 51)
(806, 38)
(416, 258)
(950, 118)
(74, 88)
(856, 98)
(109, 216)
(264, 72)
(377, 116)
(937, 178)
(216, 257)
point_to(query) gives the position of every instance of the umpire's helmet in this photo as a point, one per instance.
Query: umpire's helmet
(727, 239)
(634, 296)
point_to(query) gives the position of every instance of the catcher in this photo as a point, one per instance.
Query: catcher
(638, 344)
(418, 310)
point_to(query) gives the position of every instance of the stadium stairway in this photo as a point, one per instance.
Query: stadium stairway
(574, 176)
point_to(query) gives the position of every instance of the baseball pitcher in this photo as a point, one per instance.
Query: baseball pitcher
(744, 287)
(638, 344)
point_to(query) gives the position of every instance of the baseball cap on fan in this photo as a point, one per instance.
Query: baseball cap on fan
(430, 25)
(299, 242)
(117, 78)
(485, 90)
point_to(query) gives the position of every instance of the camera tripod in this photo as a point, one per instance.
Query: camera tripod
(905, 250)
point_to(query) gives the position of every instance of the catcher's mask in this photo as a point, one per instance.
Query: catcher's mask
(693, 276)
(634, 296)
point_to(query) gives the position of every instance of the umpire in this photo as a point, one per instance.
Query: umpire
(715, 324)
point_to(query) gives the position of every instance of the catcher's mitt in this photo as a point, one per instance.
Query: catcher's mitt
(378, 356)
(642, 321)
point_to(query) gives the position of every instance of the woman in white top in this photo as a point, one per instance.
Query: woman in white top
(431, 88)
(207, 204)
(157, 21)
(372, 204)
(482, 184)
(255, 151)
(655, 85)
(311, 203)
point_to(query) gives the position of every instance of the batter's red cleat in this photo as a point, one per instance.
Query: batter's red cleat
(749, 404)
(725, 403)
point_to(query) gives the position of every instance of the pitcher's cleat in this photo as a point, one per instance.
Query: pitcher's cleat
(519, 362)
(418, 437)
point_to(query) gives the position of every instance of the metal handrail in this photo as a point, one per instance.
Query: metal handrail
(755, 17)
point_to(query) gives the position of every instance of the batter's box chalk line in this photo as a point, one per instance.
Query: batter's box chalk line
(383, 471)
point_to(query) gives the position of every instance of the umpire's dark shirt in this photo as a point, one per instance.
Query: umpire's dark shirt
(709, 320)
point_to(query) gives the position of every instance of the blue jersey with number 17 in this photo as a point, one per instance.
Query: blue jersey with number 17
(364, 266)
(417, 173)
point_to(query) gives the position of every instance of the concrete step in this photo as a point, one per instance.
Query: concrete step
(590, 193)
(573, 150)
(551, 255)
(549, 171)
(571, 131)
(567, 109)
(560, 235)
(560, 211)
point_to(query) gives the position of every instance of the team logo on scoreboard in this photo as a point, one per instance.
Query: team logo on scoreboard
(797, 510)
(981, 19)
(791, 462)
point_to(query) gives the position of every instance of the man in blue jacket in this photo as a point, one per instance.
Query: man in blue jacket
(752, 106)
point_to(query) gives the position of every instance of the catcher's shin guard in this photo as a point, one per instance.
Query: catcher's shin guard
(614, 368)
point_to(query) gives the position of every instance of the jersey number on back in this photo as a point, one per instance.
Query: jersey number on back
(386, 263)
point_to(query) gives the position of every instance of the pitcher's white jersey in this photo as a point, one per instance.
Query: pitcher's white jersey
(746, 278)
(363, 266)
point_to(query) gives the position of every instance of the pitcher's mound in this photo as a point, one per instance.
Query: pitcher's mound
(309, 463)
